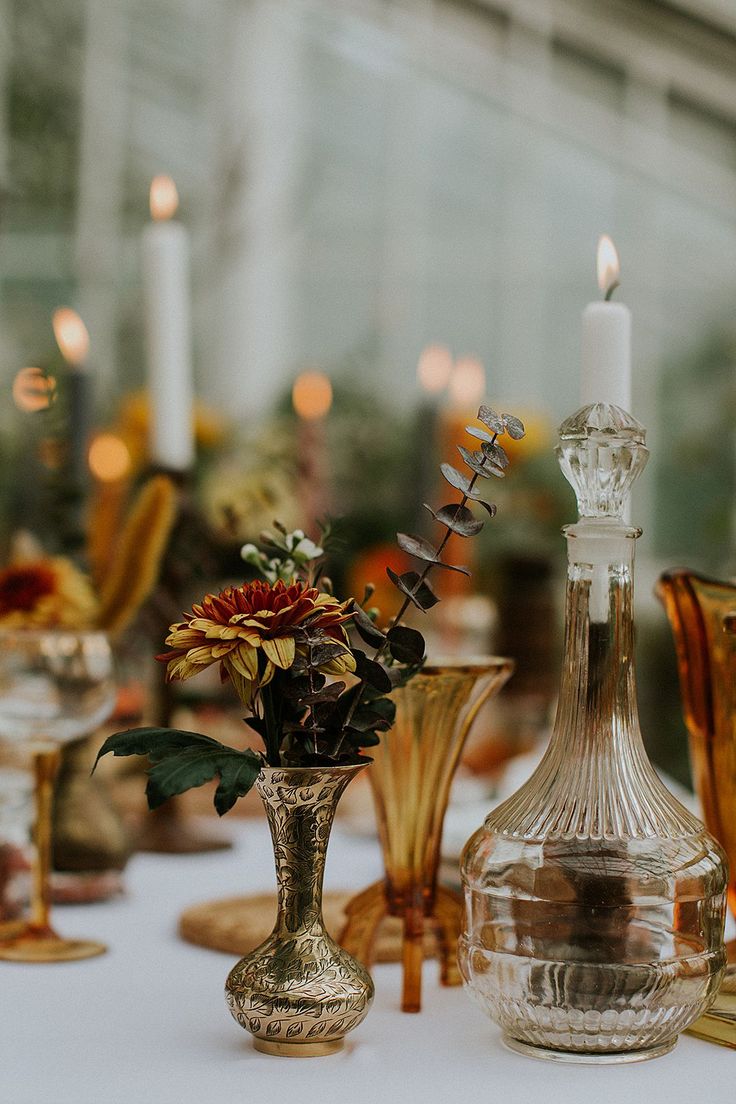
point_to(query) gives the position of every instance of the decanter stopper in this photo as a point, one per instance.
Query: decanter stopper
(601, 452)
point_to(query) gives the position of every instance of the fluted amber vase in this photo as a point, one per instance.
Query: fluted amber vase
(702, 613)
(412, 771)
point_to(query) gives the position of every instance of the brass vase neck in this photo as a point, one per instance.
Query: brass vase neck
(300, 804)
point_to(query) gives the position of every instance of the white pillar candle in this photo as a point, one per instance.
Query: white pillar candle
(73, 341)
(606, 345)
(165, 262)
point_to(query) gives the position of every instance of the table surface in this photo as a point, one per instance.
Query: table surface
(148, 1022)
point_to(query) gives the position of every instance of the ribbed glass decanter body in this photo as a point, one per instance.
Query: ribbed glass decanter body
(594, 900)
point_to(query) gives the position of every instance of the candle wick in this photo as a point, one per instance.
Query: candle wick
(610, 290)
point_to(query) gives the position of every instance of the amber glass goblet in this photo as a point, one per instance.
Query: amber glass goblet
(412, 771)
(55, 686)
(702, 613)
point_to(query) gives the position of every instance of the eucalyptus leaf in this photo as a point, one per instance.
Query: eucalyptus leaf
(329, 693)
(406, 645)
(480, 434)
(514, 427)
(367, 628)
(489, 506)
(496, 453)
(420, 594)
(373, 673)
(459, 481)
(490, 418)
(456, 478)
(417, 546)
(476, 461)
(457, 518)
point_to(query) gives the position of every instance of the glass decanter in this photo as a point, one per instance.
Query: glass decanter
(595, 902)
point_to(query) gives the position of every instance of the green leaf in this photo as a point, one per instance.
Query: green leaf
(407, 645)
(182, 760)
(367, 628)
(154, 742)
(420, 594)
(190, 767)
(457, 518)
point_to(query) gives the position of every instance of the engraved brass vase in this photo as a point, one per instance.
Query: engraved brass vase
(300, 993)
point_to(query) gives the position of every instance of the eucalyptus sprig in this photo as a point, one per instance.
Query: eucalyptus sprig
(401, 643)
(281, 643)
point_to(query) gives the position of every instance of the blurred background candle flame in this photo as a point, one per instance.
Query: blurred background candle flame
(164, 198)
(312, 395)
(467, 382)
(434, 368)
(33, 390)
(109, 458)
(71, 336)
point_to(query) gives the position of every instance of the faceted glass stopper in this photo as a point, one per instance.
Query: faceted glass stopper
(601, 452)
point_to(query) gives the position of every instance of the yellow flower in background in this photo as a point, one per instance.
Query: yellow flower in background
(46, 593)
(256, 621)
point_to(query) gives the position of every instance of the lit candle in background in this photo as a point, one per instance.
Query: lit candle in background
(606, 347)
(467, 385)
(434, 369)
(311, 396)
(73, 341)
(110, 464)
(165, 262)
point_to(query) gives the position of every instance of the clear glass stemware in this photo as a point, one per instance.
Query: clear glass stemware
(55, 686)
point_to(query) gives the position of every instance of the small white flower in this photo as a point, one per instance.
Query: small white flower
(250, 553)
(306, 549)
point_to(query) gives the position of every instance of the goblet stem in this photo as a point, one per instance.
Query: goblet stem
(45, 769)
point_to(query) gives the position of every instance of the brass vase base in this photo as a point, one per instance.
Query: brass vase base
(32, 947)
(611, 1058)
(298, 1050)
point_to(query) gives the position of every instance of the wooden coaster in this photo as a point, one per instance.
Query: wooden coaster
(238, 924)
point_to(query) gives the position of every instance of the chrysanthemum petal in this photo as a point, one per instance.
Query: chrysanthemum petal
(280, 650)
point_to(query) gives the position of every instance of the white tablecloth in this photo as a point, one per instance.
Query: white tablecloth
(148, 1022)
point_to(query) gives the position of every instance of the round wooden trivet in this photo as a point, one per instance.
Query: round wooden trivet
(238, 924)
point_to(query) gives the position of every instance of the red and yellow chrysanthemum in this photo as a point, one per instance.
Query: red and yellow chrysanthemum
(45, 593)
(253, 630)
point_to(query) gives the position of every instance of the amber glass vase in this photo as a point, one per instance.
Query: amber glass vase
(411, 776)
(702, 613)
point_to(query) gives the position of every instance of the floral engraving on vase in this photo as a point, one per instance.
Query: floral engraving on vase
(299, 986)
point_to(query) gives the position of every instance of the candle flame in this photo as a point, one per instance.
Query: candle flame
(312, 395)
(609, 268)
(71, 335)
(434, 368)
(164, 198)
